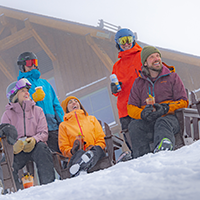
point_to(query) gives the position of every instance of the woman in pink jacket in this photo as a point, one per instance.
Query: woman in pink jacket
(31, 125)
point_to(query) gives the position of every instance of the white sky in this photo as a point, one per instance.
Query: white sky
(172, 24)
(165, 175)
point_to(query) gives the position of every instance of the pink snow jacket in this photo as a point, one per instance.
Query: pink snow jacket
(29, 120)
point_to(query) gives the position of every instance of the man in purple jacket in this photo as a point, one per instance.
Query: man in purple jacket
(154, 97)
(31, 125)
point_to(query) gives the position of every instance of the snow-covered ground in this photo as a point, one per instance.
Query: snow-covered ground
(163, 176)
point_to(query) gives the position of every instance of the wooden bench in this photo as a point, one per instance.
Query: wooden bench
(189, 127)
(6, 165)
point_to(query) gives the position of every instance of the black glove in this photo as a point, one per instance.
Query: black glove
(114, 87)
(161, 109)
(75, 147)
(146, 112)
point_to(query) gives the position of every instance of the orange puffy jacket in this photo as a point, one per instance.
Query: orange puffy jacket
(69, 129)
(127, 70)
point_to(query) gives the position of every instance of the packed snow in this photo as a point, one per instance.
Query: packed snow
(167, 175)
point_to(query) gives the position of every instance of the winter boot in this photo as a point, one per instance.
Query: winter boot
(82, 164)
(165, 145)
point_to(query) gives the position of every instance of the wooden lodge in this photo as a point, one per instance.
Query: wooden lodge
(75, 58)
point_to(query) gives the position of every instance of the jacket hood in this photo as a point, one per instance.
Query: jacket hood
(70, 115)
(28, 104)
(34, 73)
(165, 70)
(136, 48)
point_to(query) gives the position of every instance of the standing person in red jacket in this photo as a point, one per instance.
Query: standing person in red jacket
(126, 69)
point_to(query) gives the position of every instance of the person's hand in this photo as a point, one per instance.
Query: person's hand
(18, 146)
(161, 109)
(114, 88)
(146, 112)
(29, 144)
(75, 147)
(38, 95)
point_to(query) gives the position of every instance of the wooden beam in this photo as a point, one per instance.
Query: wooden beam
(181, 57)
(100, 53)
(55, 23)
(15, 39)
(4, 68)
(39, 40)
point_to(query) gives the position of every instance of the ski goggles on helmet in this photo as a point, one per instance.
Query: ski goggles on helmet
(30, 63)
(19, 85)
(125, 39)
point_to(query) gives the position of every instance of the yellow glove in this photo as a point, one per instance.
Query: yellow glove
(38, 95)
(29, 144)
(18, 146)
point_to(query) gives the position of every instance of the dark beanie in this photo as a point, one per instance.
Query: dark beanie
(147, 51)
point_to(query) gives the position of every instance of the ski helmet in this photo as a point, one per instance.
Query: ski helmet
(21, 62)
(14, 87)
(122, 33)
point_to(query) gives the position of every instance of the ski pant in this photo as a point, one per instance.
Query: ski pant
(44, 163)
(142, 133)
(125, 121)
(53, 141)
(98, 154)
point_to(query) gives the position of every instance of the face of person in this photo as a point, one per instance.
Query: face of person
(154, 62)
(126, 46)
(22, 95)
(28, 69)
(73, 104)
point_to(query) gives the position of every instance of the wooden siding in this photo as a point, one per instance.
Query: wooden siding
(74, 54)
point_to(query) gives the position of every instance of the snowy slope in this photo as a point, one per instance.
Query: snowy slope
(166, 175)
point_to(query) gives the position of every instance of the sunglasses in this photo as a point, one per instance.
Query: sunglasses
(125, 39)
(19, 85)
(30, 63)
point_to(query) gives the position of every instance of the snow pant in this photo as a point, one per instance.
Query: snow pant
(143, 133)
(98, 154)
(125, 121)
(53, 141)
(41, 155)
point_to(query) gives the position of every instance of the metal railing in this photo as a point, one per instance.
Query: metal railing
(103, 25)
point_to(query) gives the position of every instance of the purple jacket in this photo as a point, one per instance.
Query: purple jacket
(29, 121)
(167, 88)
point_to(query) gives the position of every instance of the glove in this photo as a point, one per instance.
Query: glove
(146, 112)
(161, 109)
(38, 95)
(29, 144)
(114, 87)
(75, 147)
(18, 146)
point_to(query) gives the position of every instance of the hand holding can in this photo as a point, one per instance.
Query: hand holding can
(114, 79)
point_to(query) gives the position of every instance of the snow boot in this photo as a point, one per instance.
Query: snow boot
(82, 164)
(165, 145)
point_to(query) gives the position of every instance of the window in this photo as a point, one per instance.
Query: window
(98, 104)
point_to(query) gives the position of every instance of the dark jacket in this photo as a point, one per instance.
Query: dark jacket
(167, 88)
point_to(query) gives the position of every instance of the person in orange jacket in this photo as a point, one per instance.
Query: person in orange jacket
(81, 137)
(127, 70)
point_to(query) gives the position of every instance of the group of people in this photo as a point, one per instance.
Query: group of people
(150, 93)
(45, 125)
